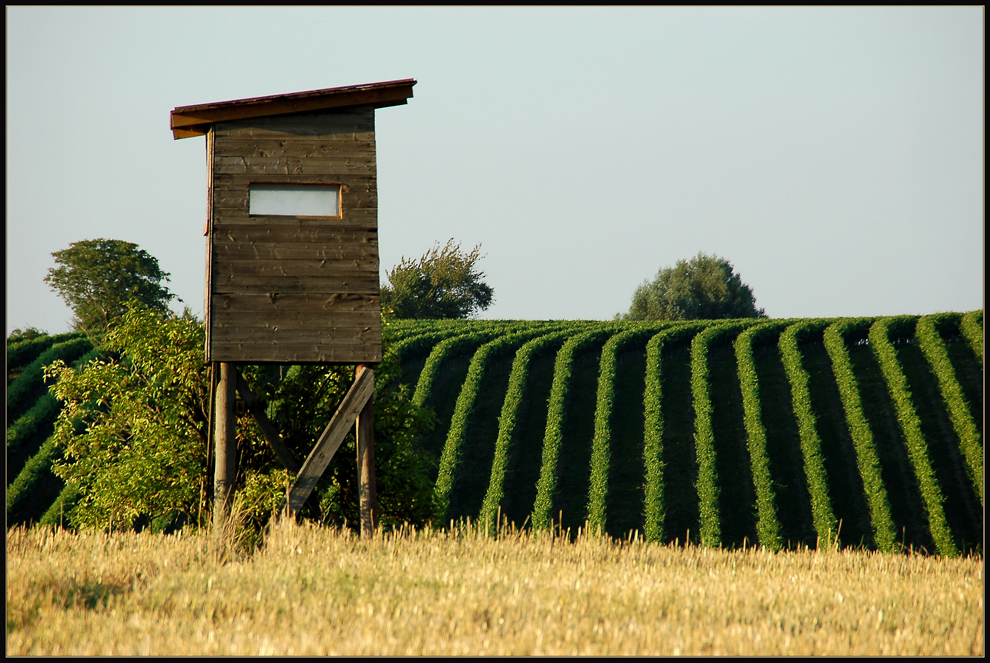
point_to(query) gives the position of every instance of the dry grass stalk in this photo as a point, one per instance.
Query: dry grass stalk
(321, 591)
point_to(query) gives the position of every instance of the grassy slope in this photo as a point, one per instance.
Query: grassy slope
(736, 490)
(736, 500)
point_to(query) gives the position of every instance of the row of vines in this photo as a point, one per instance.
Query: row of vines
(778, 433)
(781, 433)
(33, 492)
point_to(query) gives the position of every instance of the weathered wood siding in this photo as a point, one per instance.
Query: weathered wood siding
(293, 289)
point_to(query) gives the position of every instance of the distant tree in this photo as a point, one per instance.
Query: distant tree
(703, 288)
(444, 283)
(25, 334)
(97, 278)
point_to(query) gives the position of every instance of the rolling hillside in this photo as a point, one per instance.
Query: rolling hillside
(779, 432)
(725, 433)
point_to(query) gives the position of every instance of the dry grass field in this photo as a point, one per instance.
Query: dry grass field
(313, 591)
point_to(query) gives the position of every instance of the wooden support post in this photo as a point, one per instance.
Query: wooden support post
(346, 416)
(367, 492)
(225, 470)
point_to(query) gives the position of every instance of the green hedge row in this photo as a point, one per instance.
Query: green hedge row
(959, 413)
(450, 456)
(910, 424)
(867, 459)
(440, 353)
(400, 330)
(23, 488)
(417, 342)
(22, 392)
(704, 437)
(653, 490)
(23, 352)
(971, 327)
(767, 523)
(57, 514)
(546, 486)
(825, 523)
(33, 428)
(514, 396)
(38, 418)
(604, 404)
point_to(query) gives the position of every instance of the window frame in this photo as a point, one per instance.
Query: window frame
(299, 186)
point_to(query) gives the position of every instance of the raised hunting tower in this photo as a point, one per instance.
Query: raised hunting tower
(292, 224)
(292, 261)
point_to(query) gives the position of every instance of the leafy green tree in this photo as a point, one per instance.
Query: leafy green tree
(133, 432)
(97, 278)
(702, 288)
(443, 283)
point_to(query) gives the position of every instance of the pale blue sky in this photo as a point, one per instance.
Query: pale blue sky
(836, 156)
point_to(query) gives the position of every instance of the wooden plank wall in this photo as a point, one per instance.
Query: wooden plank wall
(290, 289)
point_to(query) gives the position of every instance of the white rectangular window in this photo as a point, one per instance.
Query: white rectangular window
(295, 200)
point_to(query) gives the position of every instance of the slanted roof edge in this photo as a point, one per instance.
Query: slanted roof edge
(195, 120)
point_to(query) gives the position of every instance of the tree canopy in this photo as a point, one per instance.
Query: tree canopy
(443, 283)
(98, 277)
(702, 288)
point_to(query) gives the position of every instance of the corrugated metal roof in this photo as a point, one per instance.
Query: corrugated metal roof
(196, 120)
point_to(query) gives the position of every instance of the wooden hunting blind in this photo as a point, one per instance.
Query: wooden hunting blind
(292, 262)
(292, 224)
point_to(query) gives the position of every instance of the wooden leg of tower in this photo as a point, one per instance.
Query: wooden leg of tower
(367, 493)
(225, 469)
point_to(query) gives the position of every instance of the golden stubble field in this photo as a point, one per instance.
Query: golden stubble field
(322, 591)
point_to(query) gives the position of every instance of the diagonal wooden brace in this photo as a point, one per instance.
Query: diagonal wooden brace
(274, 440)
(343, 419)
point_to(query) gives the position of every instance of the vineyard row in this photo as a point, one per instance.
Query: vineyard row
(862, 454)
